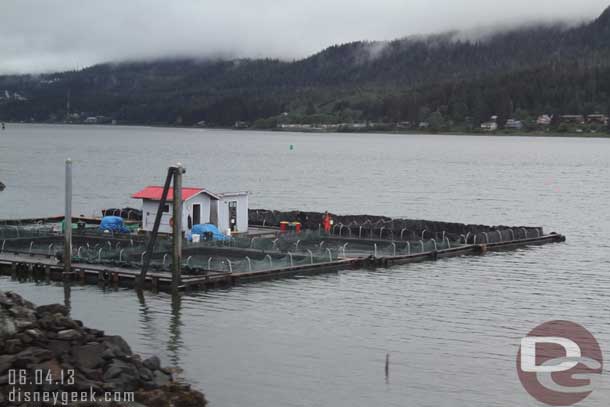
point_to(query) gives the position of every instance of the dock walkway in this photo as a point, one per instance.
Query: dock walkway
(36, 266)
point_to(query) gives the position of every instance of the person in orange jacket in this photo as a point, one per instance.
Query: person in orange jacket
(326, 222)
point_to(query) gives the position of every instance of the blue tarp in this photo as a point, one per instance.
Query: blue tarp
(113, 224)
(208, 227)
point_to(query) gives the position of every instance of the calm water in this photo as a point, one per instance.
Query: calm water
(452, 328)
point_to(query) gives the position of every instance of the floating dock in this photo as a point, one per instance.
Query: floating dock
(29, 249)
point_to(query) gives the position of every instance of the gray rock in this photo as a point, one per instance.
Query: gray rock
(94, 332)
(15, 298)
(19, 300)
(117, 345)
(123, 376)
(161, 379)
(89, 356)
(69, 334)
(59, 347)
(152, 363)
(6, 361)
(4, 300)
(118, 367)
(35, 334)
(24, 323)
(124, 382)
(12, 346)
(93, 374)
(7, 325)
(62, 322)
(22, 312)
(108, 354)
(32, 356)
(81, 383)
(52, 309)
(23, 337)
(145, 374)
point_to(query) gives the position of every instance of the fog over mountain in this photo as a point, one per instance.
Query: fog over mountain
(53, 35)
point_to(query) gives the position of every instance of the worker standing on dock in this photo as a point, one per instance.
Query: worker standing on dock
(326, 222)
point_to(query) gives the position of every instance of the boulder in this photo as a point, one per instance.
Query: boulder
(117, 346)
(31, 356)
(16, 299)
(152, 363)
(52, 309)
(117, 368)
(161, 378)
(4, 300)
(7, 325)
(21, 312)
(35, 334)
(12, 346)
(69, 335)
(88, 356)
(6, 361)
(59, 347)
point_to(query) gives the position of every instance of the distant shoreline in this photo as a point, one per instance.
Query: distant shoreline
(500, 133)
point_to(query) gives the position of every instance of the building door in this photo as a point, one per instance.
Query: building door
(196, 214)
(233, 215)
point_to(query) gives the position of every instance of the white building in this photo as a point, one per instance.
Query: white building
(513, 124)
(544, 120)
(227, 210)
(489, 126)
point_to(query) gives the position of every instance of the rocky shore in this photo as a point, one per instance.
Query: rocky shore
(45, 352)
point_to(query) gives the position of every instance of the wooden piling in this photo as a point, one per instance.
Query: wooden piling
(177, 228)
(68, 219)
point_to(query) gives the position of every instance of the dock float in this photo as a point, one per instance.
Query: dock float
(21, 262)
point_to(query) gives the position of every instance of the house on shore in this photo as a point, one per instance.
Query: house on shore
(598, 118)
(227, 211)
(489, 126)
(572, 118)
(544, 120)
(513, 124)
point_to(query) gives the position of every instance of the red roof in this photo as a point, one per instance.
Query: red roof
(155, 193)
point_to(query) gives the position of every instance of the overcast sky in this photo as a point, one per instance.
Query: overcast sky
(50, 35)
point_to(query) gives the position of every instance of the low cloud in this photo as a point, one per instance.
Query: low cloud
(42, 36)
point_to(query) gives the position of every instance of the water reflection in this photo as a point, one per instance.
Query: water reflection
(68, 295)
(149, 325)
(174, 344)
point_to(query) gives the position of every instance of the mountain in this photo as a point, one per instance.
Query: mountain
(453, 77)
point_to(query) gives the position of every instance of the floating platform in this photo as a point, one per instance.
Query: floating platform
(28, 249)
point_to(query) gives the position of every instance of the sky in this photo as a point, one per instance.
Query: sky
(53, 35)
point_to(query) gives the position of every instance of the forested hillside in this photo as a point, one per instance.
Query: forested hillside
(446, 80)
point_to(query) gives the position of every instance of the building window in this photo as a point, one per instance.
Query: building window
(232, 204)
(166, 209)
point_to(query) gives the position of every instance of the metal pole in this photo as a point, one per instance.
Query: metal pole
(177, 229)
(68, 219)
